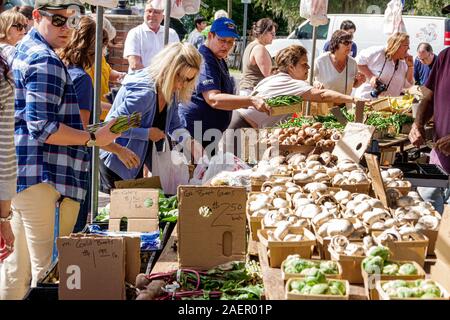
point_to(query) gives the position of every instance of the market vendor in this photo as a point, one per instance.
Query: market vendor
(436, 95)
(213, 100)
(155, 92)
(388, 69)
(290, 78)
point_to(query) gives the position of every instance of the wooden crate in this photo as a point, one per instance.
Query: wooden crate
(407, 250)
(279, 250)
(293, 108)
(355, 188)
(384, 296)
(287, 276)
(370, 280)
(295, 296)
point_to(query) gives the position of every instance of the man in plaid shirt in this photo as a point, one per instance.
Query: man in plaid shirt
(51, 146)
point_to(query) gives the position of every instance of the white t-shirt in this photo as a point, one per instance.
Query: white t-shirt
(326, 73)
(142, 41)
(276, 85)
(374, 58)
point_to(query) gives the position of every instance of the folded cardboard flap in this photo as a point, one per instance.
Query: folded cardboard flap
(139, 206)
(211, 226)
(442, 247)
(354, 142)
(91, 267)
(152, 183)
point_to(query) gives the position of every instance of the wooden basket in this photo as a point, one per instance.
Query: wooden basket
(293, 108)
(279, 250)
(296, 296)
(287, 276)
(415, 250)
(355, 188)
(370, 287)
(384, 296)
(351, 266)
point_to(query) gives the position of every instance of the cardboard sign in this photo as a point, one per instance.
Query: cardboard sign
(211, 226)
(91, 268)
(139, 206)
(442, 248)
(354, 142)
(440, 273)
(377, 180)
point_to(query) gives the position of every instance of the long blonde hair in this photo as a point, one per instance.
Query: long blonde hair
(172, 61)
(394, 42)
(7, 19)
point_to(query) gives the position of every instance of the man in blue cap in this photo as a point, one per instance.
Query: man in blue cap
(208, 114)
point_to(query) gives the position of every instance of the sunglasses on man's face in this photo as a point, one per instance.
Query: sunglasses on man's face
(20, 26)
(346, 42)
(60, 21)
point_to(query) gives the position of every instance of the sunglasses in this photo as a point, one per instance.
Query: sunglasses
(60, 21)
(20, 26)
(346, 42)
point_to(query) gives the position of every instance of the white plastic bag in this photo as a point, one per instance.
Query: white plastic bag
(223, 162)
(171, 167)
(315, 11)
(393, 21)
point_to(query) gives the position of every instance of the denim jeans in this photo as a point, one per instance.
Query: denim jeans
(436, 196)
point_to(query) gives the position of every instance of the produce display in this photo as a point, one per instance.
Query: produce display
(316, 283)
(283, 100)
(421, 289)
(296, 265)
(393, 178)
(230, 281)
(306, 135)
(122, 124)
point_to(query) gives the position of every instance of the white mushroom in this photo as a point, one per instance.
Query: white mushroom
(427, 223)
(315, 186)
(282, 230)
(339, 227)
(280, 203)
(321, 218)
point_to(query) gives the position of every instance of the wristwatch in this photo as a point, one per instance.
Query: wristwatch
(92, 140)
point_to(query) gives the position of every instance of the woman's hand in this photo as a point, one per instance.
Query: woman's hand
(156, 134)
(373, 82)
(7, 236)
(260, 104)
(128, 158)
(409, 60)
(360, 78)
(318, 85)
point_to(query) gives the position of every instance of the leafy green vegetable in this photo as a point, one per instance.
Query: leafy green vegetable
(407, 269)
(286, 100)
(339, 285)
(320, 288)
(295, 264)
(380, 251)
(329, 267)
(390, 269)
(315, 276)
(373, 264)
(298, 285)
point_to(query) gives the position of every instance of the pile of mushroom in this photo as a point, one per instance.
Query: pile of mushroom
(412, 209)
(307, 135)
(342, 245)
(404, 233)
(393, 178)
(348, 172)
(282, 233)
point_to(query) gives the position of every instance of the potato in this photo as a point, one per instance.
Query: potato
(141, 281)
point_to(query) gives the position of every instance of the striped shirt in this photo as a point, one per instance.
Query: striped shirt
(8, 164)
(45, 98)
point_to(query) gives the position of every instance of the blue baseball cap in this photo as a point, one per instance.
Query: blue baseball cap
(224, 28)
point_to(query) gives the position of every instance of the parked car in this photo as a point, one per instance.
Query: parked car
(369, 32)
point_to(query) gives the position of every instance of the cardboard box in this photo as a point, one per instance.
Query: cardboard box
(440, 273)
(415, 250)
(370, 280)
(278, 251)
(211, 226)
(296, 296)
(287, 276)
(384, 296)
(442, 247)
(152, 183)
(354, 142)
(91, 268)
(139, 206)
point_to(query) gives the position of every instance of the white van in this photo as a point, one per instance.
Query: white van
(369, 32)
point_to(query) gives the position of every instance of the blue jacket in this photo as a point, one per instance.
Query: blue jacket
(138, 94)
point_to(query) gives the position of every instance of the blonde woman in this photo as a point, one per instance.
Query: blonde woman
(13, 27)
(155, 92)
(388, 70)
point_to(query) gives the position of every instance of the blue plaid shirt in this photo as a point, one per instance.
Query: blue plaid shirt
(45, 98)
